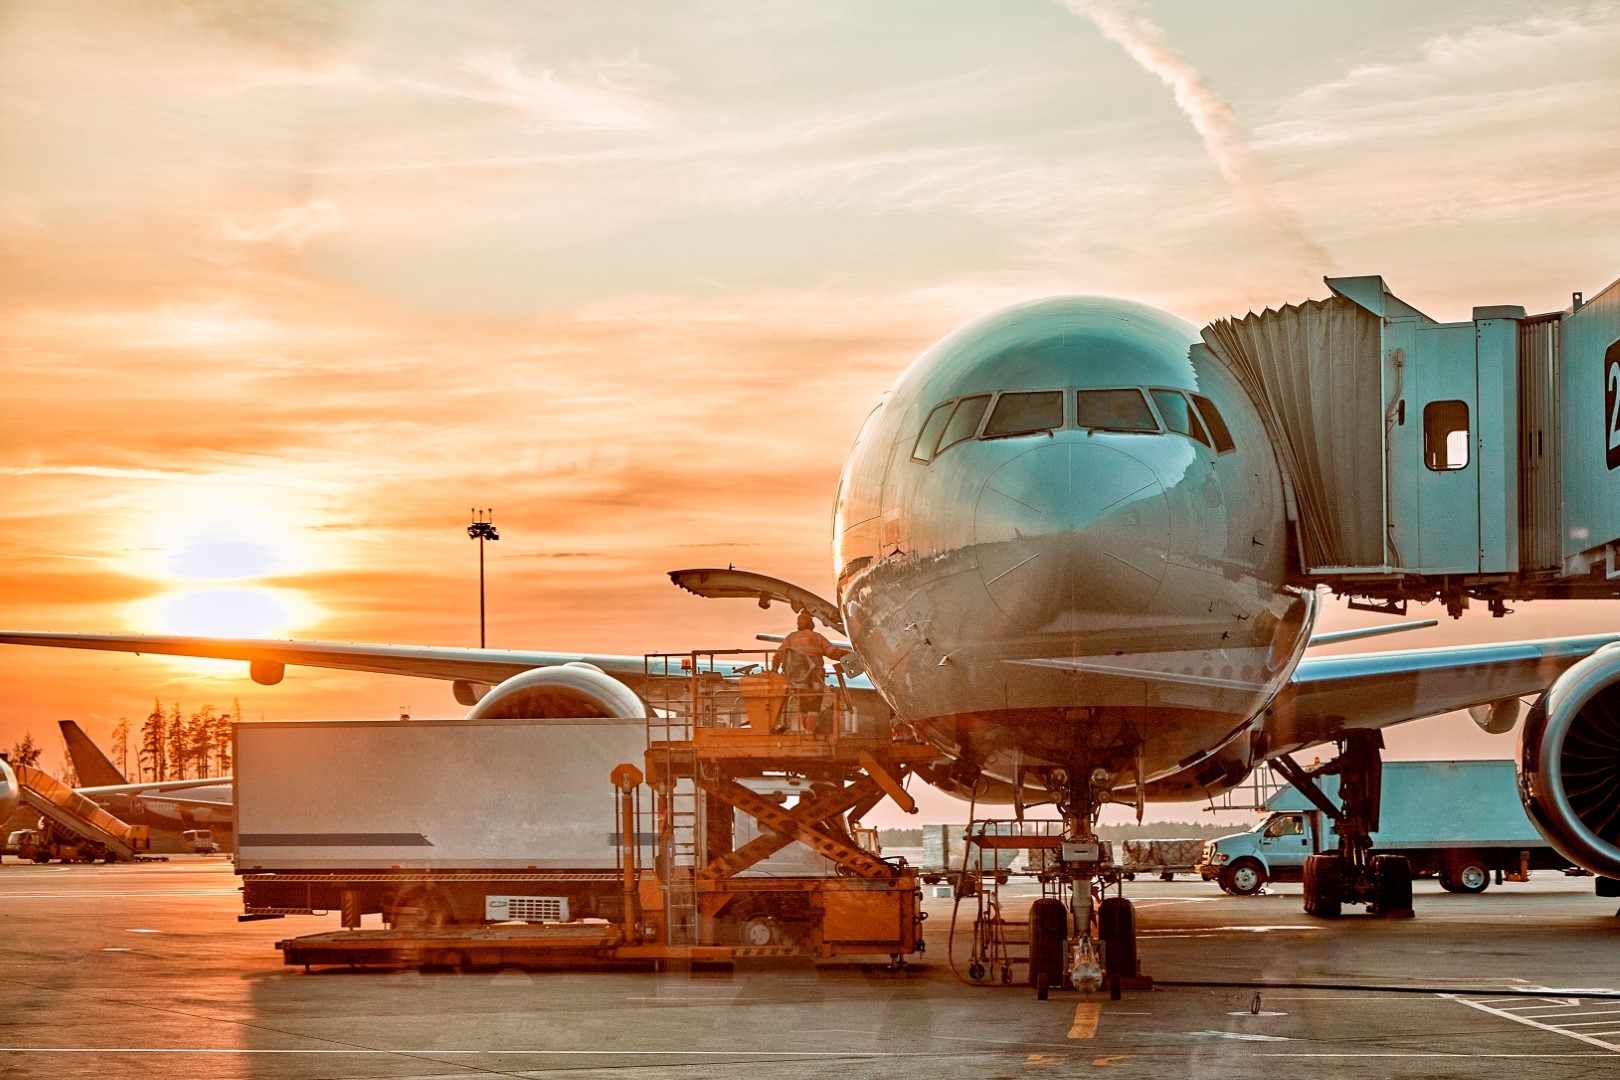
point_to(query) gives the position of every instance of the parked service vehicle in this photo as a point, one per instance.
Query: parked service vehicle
(201, 841)
(47, 842)
(1459, 820)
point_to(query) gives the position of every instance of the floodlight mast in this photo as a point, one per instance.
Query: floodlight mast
(481, 529)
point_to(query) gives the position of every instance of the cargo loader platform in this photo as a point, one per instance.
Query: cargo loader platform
(736, 769)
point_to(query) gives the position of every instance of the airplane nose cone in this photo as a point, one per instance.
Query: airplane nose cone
(1072, 536)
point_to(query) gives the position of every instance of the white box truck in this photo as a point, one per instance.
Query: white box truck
(432, 822)
(1459, 820)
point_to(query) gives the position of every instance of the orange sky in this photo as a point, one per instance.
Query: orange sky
(287, 290)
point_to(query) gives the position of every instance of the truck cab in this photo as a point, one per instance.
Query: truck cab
(1274, 850)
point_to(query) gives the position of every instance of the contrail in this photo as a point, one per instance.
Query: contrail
(1129, 25)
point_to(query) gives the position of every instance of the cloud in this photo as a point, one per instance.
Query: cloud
(293, 226)
(1130, 26)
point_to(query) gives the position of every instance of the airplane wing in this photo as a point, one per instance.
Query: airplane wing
(1329, 695)
(423, 661)
(267, 658)
(156, 787)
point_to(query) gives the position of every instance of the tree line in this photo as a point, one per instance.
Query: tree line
(175, 745)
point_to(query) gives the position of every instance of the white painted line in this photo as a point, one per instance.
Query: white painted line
(489, 1053)
(116, 949)
(140, 930)
(1591, 1040)
(1435, 1054)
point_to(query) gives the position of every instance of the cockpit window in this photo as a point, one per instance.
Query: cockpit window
(1178, 415)
(1215, 423)
(1025, 414)
(1114, 410)
(924, 450)
(964, 421)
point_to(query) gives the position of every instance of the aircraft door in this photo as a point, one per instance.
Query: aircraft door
(1433, 448)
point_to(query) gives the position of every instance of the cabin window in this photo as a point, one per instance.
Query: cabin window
(1445, 435)
(964, 423)
(924, 450)
(1215, 423)
(1114, 410)
(1025, 414)
(1178, 415)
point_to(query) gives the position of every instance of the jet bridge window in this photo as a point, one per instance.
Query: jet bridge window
(1445, 435)
(1178, 415)
(964, 423)
(1113, 410)
(1025, 414)
(924, 450)
(1215, 423)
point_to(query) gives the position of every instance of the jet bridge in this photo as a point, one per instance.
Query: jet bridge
(1426, 460)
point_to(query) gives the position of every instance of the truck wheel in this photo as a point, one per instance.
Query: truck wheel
(1468, 876)
(1324, 895)
(1392, 884)
(1243, 878)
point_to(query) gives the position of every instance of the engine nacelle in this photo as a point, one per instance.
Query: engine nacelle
(1569, 763)
(572, 690)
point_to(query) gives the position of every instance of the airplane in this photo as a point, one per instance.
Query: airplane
(168, 805)
(1062, 557)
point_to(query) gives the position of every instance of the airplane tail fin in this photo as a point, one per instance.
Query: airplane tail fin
(94, 768)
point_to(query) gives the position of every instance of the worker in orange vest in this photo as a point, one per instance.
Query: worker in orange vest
(800, 658)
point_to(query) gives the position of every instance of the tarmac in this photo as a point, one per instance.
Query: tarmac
(143, 971)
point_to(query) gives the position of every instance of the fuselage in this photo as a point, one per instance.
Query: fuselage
(1060, 542)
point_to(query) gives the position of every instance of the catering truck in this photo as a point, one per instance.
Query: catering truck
(1461, 821)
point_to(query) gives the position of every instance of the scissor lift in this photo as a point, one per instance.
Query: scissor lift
(725, 737)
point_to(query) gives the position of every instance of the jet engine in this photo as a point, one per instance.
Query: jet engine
(574, 690)
(1569, 763)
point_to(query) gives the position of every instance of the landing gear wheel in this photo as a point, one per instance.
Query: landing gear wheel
(1048, 936)
(1392, 883)
(1041, 988)
(1324, 886)
(1243, 878)
(1468, 876)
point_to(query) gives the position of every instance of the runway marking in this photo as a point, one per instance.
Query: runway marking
(140, 930)
(1086, 1014)
(99, 896)
(248, 1052)
(1103, 1062)
(1243, 1036)
(1438, 1054)
(1592, 1038)
(113, 948)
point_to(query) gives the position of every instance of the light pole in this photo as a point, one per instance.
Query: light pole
(481, 529)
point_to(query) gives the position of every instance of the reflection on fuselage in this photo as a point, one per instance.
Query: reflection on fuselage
(1102, 591)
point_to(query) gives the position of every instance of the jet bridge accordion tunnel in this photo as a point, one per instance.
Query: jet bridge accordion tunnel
(1454, 461)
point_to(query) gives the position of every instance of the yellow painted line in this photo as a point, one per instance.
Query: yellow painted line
(1103, 1062)
(1086, 1014)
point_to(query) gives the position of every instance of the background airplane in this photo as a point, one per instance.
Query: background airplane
(162, 805)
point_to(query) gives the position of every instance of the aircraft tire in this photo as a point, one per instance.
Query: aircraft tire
(1048, 934)
(1324, 888)
(1392, 883)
